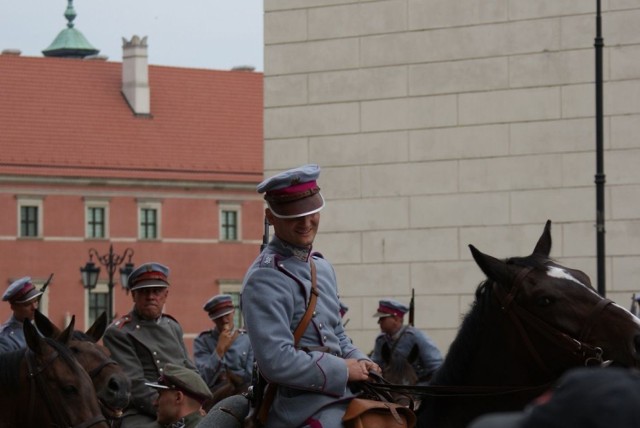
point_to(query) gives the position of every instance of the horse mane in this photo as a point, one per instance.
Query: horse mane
(10, 369)
(467, 342)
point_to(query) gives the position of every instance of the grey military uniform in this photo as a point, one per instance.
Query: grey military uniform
(312, 377)
(142, 348)
(12, 335)
(238, 359)
(429, 359)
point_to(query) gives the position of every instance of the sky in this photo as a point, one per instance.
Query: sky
(213, 34)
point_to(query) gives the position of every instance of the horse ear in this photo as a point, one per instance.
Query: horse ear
(45, 326)
(385, 353)
(32, 337)
(99, 326)
(493, 268)
(67, 332)
(543, 247)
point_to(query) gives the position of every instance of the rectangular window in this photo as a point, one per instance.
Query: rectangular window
(148, 223)
(28, 221)
(96, 222)
(29, 216)
(229, 225)
(230, 215)
(97, 302)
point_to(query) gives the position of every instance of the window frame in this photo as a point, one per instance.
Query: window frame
(229, 207)
(150, 205)
(101, 288)
(89, 205)
(30, 201)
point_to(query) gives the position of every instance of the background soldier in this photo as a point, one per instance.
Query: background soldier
(400, 339)
(224, 347)
(24, 298)
(144, 340)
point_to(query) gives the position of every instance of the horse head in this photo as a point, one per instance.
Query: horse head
(532, 319)
(398, 370)
(111, 384)
(62, 392)
(560, 318)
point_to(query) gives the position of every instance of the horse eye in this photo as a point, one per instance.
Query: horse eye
(70, 390)
(543, 301)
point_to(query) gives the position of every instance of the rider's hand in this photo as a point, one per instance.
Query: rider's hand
(359, 370)
(225, 340)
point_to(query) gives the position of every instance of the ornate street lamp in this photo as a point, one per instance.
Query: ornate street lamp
(90, 272)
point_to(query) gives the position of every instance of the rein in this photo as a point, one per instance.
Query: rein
(37, 385)
(585, 353)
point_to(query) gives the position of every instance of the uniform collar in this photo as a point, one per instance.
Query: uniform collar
(290, 250)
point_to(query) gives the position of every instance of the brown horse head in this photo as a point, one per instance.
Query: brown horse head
(60, 391)
(111, 384)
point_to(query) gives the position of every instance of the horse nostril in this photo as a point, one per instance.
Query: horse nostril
(114, 385)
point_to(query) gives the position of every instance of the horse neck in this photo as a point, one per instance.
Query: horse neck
(488, 350)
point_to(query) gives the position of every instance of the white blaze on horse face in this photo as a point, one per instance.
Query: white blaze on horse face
(557, 272)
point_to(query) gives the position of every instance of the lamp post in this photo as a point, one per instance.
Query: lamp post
(90, 272)
(600, 176)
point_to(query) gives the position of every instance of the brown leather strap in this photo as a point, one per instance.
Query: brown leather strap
(297, 334)
(270, 389)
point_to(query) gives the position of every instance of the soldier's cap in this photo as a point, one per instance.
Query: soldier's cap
(182, 379)
(293, 193)
(148, 275)
(390, 308)
(592, 397)
(21, 291)
(219, 306)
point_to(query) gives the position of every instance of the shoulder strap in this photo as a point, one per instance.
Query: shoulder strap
(300, 329)
(270, 388)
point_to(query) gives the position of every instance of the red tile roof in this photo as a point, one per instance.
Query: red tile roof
(68, 118)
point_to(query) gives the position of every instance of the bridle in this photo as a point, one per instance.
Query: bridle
(37, 386)
(583, 352)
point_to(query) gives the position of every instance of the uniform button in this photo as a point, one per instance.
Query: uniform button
(137, 325)
(158, 361)
(155, 353)
(320, 325)
(324, 338)
(314, 313)
(160, 370)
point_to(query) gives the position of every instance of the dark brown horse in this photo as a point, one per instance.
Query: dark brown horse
(112, 386)
(44, 385)
(399, 370)
(532, 319)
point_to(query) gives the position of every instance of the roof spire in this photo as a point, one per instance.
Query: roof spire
(70, 14)
(70, 43)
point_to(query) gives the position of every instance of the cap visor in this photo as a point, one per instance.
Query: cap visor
(30, 296)
(500, 420)
(156, 385)
(219, 314)
(149, 284)
(298, 208)
(382, 315)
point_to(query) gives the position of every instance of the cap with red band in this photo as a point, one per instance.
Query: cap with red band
(21, 291)
(148, 275)
(389, 307)
(219, 306)
(293, 193)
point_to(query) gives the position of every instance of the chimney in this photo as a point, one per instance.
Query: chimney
(135, 75)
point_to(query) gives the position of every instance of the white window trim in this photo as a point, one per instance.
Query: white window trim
(96, 204)
(30, 201)
(150, 205)
(230, 206)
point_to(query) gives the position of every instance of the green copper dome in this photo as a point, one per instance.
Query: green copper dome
(70, 43)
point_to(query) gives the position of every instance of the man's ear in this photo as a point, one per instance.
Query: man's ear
(180, 397)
